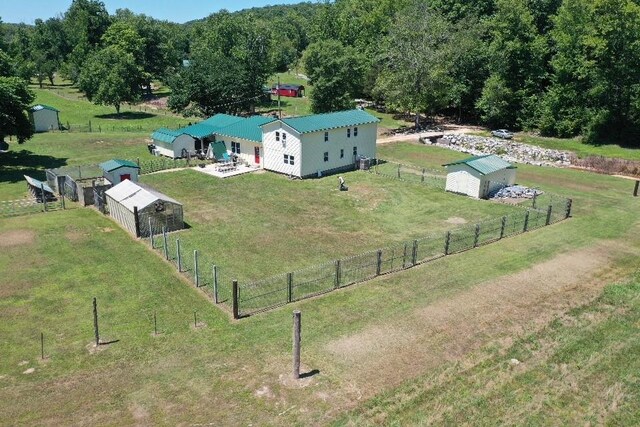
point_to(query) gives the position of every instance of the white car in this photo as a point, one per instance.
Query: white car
(502, 133)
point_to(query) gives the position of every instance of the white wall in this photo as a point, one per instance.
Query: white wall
(462, 179)
(274, 151)
(183, 141)
(45, 120)
(247, 149)
(114, 176)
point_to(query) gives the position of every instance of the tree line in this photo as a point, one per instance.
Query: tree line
(563, 67)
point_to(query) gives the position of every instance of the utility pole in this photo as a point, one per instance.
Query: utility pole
(278, 90)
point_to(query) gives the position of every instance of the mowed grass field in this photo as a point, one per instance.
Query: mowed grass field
(261, 224)
(431, 344)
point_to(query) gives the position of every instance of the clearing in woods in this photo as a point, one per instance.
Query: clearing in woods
(430, 344)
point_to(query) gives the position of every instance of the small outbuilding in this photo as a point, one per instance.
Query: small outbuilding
(171, 143)
(116, 170)
(137, 206)
(44, 118)
(39, 190)
(293, 91)
(478, 176)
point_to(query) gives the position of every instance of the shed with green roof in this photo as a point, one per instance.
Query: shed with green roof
(173, 143)
(479, 176)
(44, 118)
(118, 170)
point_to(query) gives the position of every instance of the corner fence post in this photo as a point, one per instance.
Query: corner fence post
(502, 226)
(195, 268)
(378, 262)
(178, 257)
(215, 284)
(289, 287)
(164, 239)
(549, 215)
(236, 310)
(525, 227)
(476, 236)
(568, 211)
(414, 253)
(447, 242)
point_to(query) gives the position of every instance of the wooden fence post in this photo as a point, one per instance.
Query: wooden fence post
(95, 320)
(289, 287)
(549, 215)
(236, 310)
(568, 210)
(447, 241)
(155, 324)
(178, 257)
(195, 268)
(62, 199)
(404, 256)
(535, 196)
(215, 284)
(422, 179)
(338, 274)
(502, 226)
(42, 345)
(150, 234)
(398, 171)
(378, 262)
(476, 237)
(525, 227)
(136, 220)
(297, 335)
(635, 189)
(414, 253)
(164, 239)
(44, 198)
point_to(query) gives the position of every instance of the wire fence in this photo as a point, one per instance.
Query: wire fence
(11, 208)
(432, 177)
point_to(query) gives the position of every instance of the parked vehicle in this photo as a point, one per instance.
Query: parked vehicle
(502, 133)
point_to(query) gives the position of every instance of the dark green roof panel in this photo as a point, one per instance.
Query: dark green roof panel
(485, 164)
(248, 129)
(320, 122)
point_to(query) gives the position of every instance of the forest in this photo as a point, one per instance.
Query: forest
(562, 68)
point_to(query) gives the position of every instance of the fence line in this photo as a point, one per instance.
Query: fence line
(11, 208)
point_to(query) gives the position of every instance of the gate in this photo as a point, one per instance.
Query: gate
(70, 189)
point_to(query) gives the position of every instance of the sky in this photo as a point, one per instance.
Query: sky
(27, 11)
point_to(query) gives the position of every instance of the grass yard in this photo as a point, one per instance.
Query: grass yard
(261, 224)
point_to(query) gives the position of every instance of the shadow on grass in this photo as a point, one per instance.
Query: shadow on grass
(15, 164)
(126, 115)
(310, 373)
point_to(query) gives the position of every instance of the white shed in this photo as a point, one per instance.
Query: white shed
(173, 144)
(478, 176)
(44, 118)
(135, 206)
(117, 170)
(319, 144)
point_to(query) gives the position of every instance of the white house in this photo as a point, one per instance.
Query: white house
(318, 144)
(44, 118)
(244, 139)
(478, 176)
(172, 143)
(117, 170)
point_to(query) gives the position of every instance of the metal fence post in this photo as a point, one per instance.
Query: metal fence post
(178, 256)
(502, 226)
(378, 262)
(136, 220)
(447, 241)
(404, 256)
(338, 274)
(568, 210)
(62, 199)
(195, 268)
(289, 287)
(526, 222)
(297, 333)
(150, 233)
(44, 198)
(549, 214)
(422, 179)
(236, 310)
(635, 188)
(414, 253)
(215, 284)
(164, 240)
(476, 237)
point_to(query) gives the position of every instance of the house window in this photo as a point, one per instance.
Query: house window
(288, 160)
(277, 136)
(326, 137)
(348, 132)
(341, 153)
(355, 131)
(284, 137)
(235, 147)
(355, 151)
(326, 156)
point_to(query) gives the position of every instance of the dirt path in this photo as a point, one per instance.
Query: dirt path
(383, 356)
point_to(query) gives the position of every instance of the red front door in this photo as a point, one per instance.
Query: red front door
(257, 152)
(125, 176)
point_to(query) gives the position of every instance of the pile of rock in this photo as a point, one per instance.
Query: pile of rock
(509, 150)
(515, 192)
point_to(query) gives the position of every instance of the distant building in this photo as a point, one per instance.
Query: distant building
(116, 171)
(44, 118)
(294, 91)
(478, 176)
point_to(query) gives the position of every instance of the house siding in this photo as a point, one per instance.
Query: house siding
(45, 120)
(174, 150)
(247, 149)
(275, 150)
(462, 179)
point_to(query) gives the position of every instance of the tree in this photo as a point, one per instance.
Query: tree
(15, 98)
(111, 77)
(336, 73)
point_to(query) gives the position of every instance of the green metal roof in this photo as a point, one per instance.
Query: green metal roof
(249, 128)
(210, 126)
(484, 164)
(44, 107)
(319, 122)
(165, 135)
(114, 164)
